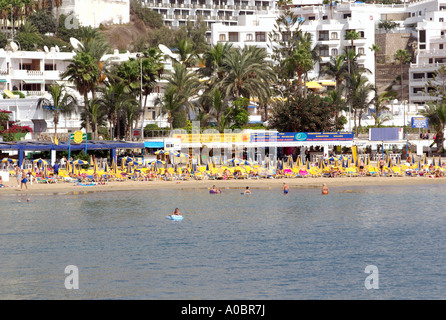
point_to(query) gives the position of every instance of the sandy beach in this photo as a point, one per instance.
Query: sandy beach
(293, 183)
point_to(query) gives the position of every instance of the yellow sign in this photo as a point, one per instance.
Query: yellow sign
(78, 137)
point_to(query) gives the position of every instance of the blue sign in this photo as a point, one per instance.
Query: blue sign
(420, 122)
(301, 136)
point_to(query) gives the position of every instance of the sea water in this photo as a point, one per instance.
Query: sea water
(229, 246)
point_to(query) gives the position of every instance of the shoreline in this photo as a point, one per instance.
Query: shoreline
(293, 183)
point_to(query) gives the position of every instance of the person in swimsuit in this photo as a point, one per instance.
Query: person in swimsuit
(285, 188)
(24, 180)
(176, 212)
(215, 190)
(361, 167)
(324, 189)
(247, 191)
(381, 166)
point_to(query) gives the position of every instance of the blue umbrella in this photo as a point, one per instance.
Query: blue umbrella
(235, 161)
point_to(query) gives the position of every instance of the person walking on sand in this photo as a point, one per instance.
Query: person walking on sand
(24, 181)
(325, 189)
(285, 188)
(18, 174)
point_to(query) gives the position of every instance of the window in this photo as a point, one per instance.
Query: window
(441, 19)
(441, 46)
(334, 52)
(50, 67)
(334, 35)
(323, 35)
(222, 37)
(233, 36)
(323, 51)
(360, 50)
(249, 37)
(422, 46)
(347, 15)
(418, 76)
(422, 37)
(260, 36)
(361, 34)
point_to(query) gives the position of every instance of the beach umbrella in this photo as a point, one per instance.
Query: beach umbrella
(156, 162)
(91, 162)
(425, 160)
(433, 161)
(419, 163)
(250, 163)
(181, 154)
(235, 161)
(413, 160)
(134, 163)
(8, 160)
(308, 165)
(40, 161)
(159, 152)
(439, 161)
(79, 162)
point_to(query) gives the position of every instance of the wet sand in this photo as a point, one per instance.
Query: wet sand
(293, 183)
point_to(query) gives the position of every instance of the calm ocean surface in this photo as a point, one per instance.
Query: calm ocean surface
(229, 246)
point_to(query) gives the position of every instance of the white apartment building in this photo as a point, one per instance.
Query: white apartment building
(431, 53)
(327, 27)
(31, 73)
(176, 13)
(94, 12)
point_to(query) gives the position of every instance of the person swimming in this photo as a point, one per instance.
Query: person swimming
(285, 188)
(324, 189)
(247, 191)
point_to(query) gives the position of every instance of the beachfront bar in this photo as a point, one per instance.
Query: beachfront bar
(22, 146)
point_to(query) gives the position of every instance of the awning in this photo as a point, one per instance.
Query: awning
(328, 83)
(2, 80)
(153, 144)
(313, 85)
(33, 81)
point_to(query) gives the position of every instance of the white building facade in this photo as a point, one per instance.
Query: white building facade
(30, 73)
(98, 12)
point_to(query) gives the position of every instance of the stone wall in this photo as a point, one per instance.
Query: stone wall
(390, 43)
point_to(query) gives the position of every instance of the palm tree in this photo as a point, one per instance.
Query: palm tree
(248, 74)
(170, 103)
(95, 114)
(218, 107)
(83, 71)
(213, 60)
(186, 52)
(61, 103)
(336, 68)
(402, 56)
(152, 69)
(351, 35)
(112, 100)
(185, 82)
(358, 91)
(375, 49)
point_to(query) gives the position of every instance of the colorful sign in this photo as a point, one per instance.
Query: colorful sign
(78, 137)
(301, 136)
(420, 122)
